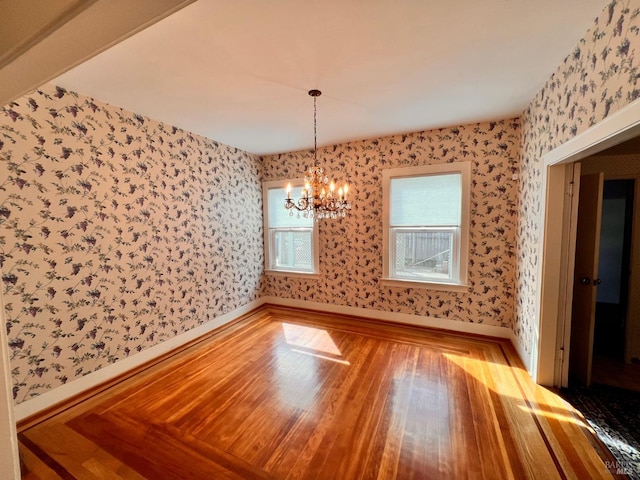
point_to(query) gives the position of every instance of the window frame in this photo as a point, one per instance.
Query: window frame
(459, 259)
(269, 233)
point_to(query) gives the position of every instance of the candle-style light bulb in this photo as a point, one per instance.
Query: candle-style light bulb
(289, 191)
(340, 193)
(346, 190)
(332, 186)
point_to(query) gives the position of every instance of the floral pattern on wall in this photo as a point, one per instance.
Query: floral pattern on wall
(598, 78)
(117, 232)
(351, 248)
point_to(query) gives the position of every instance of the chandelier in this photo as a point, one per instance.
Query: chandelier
(319, 197)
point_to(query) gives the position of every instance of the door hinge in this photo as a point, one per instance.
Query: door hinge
(570, 189)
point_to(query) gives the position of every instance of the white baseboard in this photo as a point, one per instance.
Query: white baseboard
(525, 357)
(403, 318)
(69, 390)
(409, 319)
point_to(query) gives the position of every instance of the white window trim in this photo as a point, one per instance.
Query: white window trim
(296, 184)
(462, 168)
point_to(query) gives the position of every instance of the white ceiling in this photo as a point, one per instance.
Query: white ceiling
(238, 71)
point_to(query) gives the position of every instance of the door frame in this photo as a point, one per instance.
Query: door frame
(554, 239)
(9, 451)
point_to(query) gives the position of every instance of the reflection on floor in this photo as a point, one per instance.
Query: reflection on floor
(610, 371)
(288, 393)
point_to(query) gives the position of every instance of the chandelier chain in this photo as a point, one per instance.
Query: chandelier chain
(315, 131)
(319, 196)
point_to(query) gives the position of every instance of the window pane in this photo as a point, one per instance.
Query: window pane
(426, 200)
(293, 249)
(279, 216)
(422, 255)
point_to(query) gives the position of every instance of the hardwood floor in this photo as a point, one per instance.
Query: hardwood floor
(616, 373)
(292, 394)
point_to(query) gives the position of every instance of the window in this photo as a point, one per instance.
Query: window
(426, 222)
(291, 241)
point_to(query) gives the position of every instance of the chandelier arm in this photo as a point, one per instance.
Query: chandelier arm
(300, 206)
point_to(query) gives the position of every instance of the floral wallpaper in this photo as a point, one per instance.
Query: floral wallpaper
(598, 78)
(351, 248)
(116, 232)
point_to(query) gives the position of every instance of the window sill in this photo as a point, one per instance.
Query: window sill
(292, 273)
(451, 287)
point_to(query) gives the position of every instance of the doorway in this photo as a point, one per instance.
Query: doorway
(548, 356)
(601, 273)
(614, 268)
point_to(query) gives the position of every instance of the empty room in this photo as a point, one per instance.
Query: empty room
(307, 239)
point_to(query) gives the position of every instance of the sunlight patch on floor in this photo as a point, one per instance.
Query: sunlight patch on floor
(563, 417)
(310, 338)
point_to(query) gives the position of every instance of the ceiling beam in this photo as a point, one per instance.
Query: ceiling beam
(40, 44)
